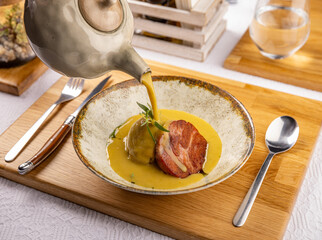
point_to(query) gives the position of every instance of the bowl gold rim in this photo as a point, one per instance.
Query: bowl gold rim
(250, 130)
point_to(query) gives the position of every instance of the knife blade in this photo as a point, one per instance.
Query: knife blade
(58, 136)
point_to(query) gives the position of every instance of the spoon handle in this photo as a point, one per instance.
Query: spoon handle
(245, 207)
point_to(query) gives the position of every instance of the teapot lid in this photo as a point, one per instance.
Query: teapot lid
(103, 15)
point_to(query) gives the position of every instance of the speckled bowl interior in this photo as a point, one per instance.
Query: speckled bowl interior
(112, 107)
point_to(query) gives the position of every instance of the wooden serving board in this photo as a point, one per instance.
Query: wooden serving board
(303, 69)
(205, 214)
(16, 80)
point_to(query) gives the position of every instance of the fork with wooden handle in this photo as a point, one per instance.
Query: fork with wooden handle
(72, 89)
(58, 136)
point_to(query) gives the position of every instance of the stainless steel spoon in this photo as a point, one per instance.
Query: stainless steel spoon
(281, 135)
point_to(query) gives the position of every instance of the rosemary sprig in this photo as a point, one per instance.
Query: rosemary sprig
(160, 126)
(113, 134)
(147, 115)
(149, 130)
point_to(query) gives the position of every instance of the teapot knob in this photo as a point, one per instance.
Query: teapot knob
(103, 15)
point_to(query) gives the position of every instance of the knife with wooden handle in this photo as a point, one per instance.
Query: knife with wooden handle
(58, 136)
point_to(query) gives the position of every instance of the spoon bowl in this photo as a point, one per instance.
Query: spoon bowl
(281, 135)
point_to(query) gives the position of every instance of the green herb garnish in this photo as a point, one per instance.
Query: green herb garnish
(113, 134)
(148, 116)
(153, 138)
(160, 127)
(132, 178)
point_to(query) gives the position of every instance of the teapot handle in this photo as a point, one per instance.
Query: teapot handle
(129, 61)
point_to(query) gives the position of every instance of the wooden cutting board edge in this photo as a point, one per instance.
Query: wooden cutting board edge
(233, 62)
(111, 210)
(17, 80)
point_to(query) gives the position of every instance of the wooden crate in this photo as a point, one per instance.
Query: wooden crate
(205, 26)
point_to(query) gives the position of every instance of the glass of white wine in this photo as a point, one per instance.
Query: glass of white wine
(280, 27)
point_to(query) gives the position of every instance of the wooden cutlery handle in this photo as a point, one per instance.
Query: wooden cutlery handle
(46, 150)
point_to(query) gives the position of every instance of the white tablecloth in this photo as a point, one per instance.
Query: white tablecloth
(26, 213)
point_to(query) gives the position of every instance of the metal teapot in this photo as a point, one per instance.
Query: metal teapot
(83, 38)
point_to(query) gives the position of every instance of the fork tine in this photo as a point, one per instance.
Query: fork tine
(81, 85)
(69, 83)
(77, 84)
(73, 88)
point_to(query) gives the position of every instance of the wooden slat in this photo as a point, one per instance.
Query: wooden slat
(186, 4)
(205, 214)
(206, 48)
(166, 13)
(186, 34)
(206, 8)
(212, 25)
(180, 50)
(198, 16)
(167, 47)
(168, 30)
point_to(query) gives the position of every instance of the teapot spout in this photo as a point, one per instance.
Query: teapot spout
(129, 61)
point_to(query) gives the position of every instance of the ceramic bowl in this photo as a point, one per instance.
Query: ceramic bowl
(113, 106)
